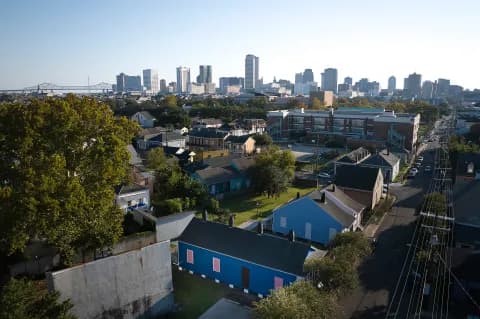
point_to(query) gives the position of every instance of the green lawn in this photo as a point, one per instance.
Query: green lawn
(194, 295)
(245, 208)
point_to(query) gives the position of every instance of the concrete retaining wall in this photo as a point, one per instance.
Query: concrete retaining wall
(131, 285)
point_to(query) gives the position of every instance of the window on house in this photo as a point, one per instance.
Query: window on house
(216, 264)
(189, 256)
(283, 222)
(277, 282)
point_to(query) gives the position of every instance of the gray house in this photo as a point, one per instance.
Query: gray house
(388, 162)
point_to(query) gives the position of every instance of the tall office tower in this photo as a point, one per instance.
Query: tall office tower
(392, 84)
(204, 74)
(150, 80)
(330, 80)
(308, 76)
(163, 85)
(443, 86)
(127, 83)
(413, 85)
(251, 72)
(298, 78)
(183, 79)
(427, 90)
(348, 80)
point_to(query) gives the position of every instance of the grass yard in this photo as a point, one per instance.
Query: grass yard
(194, 295)
(245, 208)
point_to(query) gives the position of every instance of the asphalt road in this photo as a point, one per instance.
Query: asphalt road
(379, 272)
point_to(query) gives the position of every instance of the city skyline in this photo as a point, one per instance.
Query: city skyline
(93, 43)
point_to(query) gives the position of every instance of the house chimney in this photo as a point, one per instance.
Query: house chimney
(322, 199)
(298, 195)
(205, 215)
(291, 235)
(231, 220)
(260, 228)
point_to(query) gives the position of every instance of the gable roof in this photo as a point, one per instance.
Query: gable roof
(356, 177)
(215, 175)
(332, 209)
(382, 159)
(151, 131)
(354, 156)
(344, 198)
(167, 136)
(242, 139)
(208, 133)
(129, 188)
(265, 249)
(147, 115)
(243, 163)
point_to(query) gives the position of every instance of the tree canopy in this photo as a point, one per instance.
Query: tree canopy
(25, 299)
(299, 300)
(60, 160)
(273, 171)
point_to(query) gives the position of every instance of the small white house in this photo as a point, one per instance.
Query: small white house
(144, 119)
(132, 196)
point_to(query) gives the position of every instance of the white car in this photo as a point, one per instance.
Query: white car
(414, 170)
(324, 175)
(420, 158)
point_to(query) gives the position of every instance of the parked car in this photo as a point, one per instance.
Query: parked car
(418, 164)
(428, 168)
(414, 170)
(411, 174)
(420, 159)
(324, 175)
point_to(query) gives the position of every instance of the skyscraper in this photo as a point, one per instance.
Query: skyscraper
(204, 74)
(413, 85)
(392, 84)
(330, 80)
(348, 80)
(308, 76)
(427, 90)
(298, 78)
(150, 80)
(251, 72)
(127, 83)
(183, 79)
(163, 85)
(443, 85)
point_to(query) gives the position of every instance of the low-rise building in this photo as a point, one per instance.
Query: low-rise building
(363, 184)
(144, 119)
(132, 196)
(319, 216)
(243, 145)
(388, 162)
(207, 138)
(255, 262)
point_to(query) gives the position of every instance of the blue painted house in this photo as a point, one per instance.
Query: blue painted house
(248, 260)
(225, 175)
(319, 216)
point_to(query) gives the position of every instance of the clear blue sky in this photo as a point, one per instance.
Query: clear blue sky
(64, 41)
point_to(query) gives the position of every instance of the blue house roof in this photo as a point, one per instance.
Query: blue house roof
(262, 249)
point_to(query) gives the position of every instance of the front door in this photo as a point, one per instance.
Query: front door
(245, 278)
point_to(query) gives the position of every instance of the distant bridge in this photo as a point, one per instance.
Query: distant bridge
(50, 87)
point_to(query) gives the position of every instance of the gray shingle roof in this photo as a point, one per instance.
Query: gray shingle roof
(265, 250)
(208, 133)
(354, 156)
(332, 209)
(356, 177)
(147, 115)
(382, 159)
(129, 188)
(215, 175)
(237, 139)
(243, 163)
(344, 198)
